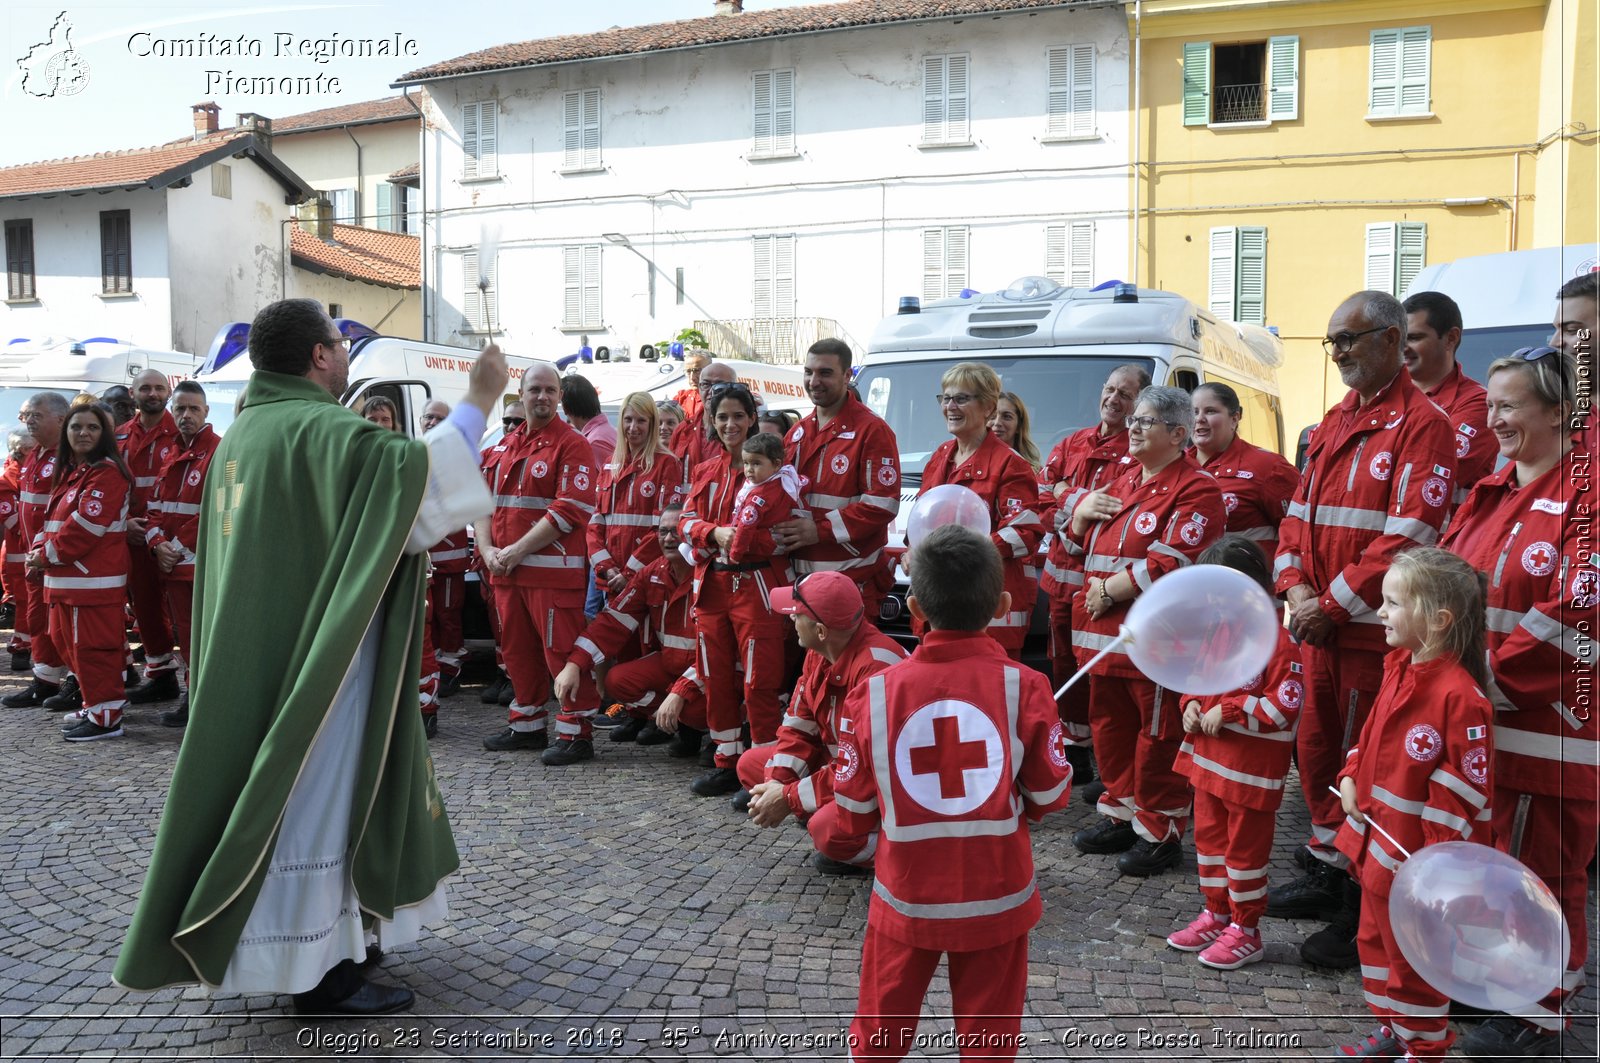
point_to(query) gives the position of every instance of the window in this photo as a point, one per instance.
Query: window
(581, 119)
(397, 207)
(1069, 253)
(945, 101)
(1238, 289)
(1256, 81)
(773, 92)
(480, 136)
(336, 310)
(222, 181)
(772, 305)
(116, 252)
(481, 305)
(581, 273)
(386, 218)
(678, 281)
(944, 262)
(1400, 63)
(413, 209)
(1069, 105)
(1396, 253)
(344, 206)
(19, 260)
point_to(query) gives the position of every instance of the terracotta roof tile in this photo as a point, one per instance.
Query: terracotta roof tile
(135, 168)
(717, 29)
(407, 172)
(393, 260)
(388, 109)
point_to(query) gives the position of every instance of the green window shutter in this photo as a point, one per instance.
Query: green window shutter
(1383, 97)
(1283, 79)
(1415, 63)
(1380, 257)
(1197, 83)
(1221, 289)
(1411, 254)
(385, 219)
(1252, 275)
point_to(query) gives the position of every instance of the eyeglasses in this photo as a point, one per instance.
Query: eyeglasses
(954, 400)
(1144, 424)
(1346, 340)
(1534, 354)
(337, 341)
(512, 422)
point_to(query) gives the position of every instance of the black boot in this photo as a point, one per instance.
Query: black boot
(716, 782)
(1082, 760)
(22, 662)
(491, 690)
(178, 717)
(32, 695)
(685, 742)
(1334, 946)
(1318, 894)
(163, 686)
(69, 697)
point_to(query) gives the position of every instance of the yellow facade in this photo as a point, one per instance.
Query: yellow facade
(1502, 158)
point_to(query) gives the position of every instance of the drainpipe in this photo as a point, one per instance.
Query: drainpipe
(1133, 220)
(359, 174)
(1516, 199)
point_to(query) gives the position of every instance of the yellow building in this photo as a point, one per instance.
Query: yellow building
(1290, 152)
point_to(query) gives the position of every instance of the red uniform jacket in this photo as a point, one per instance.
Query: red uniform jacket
(693, 446)
(1535, 543)
(1465, 403)
(1421, 766)
(84, 539)
(809, 737)
(1256, 487)
(854, 468)
(1246, 763)
(16, 544)
(1164, 524)
(948, 751)
(174, 510)
(36, 481)
(146, 451)
(452, 554)
(709, 507)
(657, 606)
(1083, 461)
(1003, 479)
(543, 472)
(1378, 479)
(627, 504)
(759, 508)
(692, 404)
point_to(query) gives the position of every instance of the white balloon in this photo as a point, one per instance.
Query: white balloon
(1478, 925)
(1205, 629)
(946, 504)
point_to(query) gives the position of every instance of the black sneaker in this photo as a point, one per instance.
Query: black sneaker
(491, 690)
(163, 686)
(629, 730)
(1504, 1037)
(89, 731)
(741, 801)
(1334, 946)
(22, 662)
(32, 695)
(685, 742)
(607, 718)
(449, 685)
(1318, 894)
(1304, 859)
(716, 782)
(568, 751)
(1107, 836)
(1150, 858)
(178, 717)
(651, 735)
(511, 738)
(829, 866)
(1090, 794)
(430, 724)
(69, 697)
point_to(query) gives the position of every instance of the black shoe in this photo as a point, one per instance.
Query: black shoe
(130, 677)
(1318, 894)
(8, 615)
(651, 735)
(69, 697)
(568, 751)
(829, 866)
(1504, 1037)
(708, 752)
(508, 693)
(716, 782)
(371, 999)
(373, 958)
(629, 730)
(430, 724)
(449, 685)
(1334, 946)
(609, 718)
(31, 696)
(511, 738)
(741, 801)
(685, 742)
(491, 690)
(1304, 859)
(163, 686)
(1090, 794)
(1465, 1013)
(178, 717)
(22, 662)
(137, 653)
(89, 731)
(1150, 858)
(1107, 836)
(1082, 760)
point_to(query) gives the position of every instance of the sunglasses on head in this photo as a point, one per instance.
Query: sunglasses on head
(728, 387)
(1534, 354)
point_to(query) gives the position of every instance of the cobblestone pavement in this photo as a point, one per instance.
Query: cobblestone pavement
(603, 911)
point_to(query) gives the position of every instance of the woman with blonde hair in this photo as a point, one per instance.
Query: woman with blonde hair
(642, 479)
(1010, 423)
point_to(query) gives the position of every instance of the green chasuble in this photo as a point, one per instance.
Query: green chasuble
(307, 513)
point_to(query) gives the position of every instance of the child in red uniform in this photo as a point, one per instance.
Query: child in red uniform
(1237, 755)
(943, 754)
(770, 493)
(1421, 771)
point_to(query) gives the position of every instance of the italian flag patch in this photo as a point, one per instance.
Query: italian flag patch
(1475, 733)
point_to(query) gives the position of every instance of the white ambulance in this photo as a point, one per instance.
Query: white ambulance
(71, 367)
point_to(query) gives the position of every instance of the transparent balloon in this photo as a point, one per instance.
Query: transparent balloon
(1206, 629)
(1478, 925)
(946, 504)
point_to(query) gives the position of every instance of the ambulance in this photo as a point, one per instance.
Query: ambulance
(71, 367)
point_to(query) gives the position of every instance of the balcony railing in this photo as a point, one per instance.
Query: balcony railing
(782, 341)
(1239, 103)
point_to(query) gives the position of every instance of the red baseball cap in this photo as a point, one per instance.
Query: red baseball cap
(830, 598)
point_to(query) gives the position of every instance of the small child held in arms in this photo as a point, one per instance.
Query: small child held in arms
(948, 755)
(1237, 755)
(1421, 770)
(769, 496)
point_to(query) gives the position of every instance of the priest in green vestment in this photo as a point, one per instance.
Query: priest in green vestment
(303, 816)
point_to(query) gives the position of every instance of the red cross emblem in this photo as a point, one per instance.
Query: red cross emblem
(1382, 466)
(949, 757)
(1058, 745)
(1423, 743)
(1539, 559)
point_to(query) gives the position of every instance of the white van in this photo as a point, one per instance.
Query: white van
(1054, 347)
(776, 387)
(71, 367)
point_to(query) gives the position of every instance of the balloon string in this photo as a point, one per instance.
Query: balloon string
(1123, 635)
(1374, 825)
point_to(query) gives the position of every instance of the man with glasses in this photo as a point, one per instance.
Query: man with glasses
(450, 558)
(1433, 332)
(1378, 479)
(692, 440)
(42, 415)
(498, 690)
(689, 399)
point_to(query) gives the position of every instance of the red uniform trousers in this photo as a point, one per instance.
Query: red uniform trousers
(753, 765)
(491, 606)
(179, 594)
(428, 679)
(1074, 704)
(826, 835)
(48, 663)
(987, 990)
(537, 629)
(1233, 846)
(642, 683)
(1138, 728)
(736, 627)
(446, 592)
(1396, 993)
(17, 586)
(92, 636)
(149, 611)
(1556, 840)
(1340, 687)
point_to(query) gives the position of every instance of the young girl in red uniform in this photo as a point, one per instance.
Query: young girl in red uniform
(1420, 771)
(1236, 755)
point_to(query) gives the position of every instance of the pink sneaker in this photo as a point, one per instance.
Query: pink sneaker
(1233, 949)
(1197, 935)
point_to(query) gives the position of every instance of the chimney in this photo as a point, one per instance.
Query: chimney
(205, 118)
(255, 123)
(316, 217)
(730, 7)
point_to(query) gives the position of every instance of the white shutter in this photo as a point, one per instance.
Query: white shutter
(480, 308)
(572, 286)
(344, 206)
(479, 138)
(932, 264)
(1411, 254)
(1070, 102)
(761, 295)
(958, 127)
(413, 209)
(1252, 285)
(591, 286)
(1415, 61)
(1055, 253)
(933, 100)
(761, 93)
(386, 218)
(1384, 95)
(591, 129)
(1283, 78)
(955, 260)
(783, 111)
(469, 140)
(1080, 262)
(580, 120)
(1380, 257)
(1220, 290)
